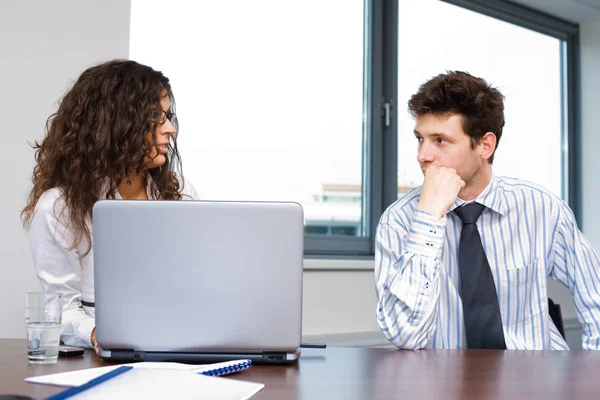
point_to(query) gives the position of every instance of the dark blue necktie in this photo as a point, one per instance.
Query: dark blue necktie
(483, 324)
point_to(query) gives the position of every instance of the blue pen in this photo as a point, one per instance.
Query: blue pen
(96, 381)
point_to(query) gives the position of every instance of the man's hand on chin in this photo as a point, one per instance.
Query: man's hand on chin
(440, 190)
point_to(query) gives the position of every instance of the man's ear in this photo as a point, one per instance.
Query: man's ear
(487, 145)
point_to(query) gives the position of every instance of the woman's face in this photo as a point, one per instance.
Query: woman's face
(164, 131)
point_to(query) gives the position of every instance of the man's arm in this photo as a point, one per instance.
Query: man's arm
(577, 267)
(407, 256)
(407, 279)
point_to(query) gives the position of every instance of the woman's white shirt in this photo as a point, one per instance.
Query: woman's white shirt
(60, 268)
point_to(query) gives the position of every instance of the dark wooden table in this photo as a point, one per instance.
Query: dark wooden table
(363, 373)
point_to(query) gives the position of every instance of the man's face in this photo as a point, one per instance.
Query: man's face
(443, 142)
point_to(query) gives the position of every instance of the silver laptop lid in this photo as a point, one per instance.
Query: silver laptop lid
(198, 275)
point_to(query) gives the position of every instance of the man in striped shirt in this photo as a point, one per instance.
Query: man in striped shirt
(528, 234)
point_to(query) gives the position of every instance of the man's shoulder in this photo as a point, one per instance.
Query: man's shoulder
(402, 207)
(521, 187)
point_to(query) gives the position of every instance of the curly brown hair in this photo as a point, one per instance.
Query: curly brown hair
(455, 92)
(98, 137)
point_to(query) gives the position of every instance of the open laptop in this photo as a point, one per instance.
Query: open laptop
(198, 281)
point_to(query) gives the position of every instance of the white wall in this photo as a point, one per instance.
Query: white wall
(337, 302)
(44, 45)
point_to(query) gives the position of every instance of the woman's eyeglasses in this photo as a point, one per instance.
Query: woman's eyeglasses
(168, 115)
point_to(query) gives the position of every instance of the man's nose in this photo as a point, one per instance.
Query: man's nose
(425, 153)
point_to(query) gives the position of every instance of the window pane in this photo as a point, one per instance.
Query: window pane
(524, 65)
(269, 99)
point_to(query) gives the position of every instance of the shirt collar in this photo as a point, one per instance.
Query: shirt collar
(489, 197)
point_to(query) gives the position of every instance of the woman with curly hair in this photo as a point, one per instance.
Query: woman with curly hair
(113, 137)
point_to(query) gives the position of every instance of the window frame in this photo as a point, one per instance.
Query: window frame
(380, 108)
(568, 33)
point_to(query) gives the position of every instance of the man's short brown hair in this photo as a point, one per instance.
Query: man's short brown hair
(455, 92)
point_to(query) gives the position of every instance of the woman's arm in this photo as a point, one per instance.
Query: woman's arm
(59, 267)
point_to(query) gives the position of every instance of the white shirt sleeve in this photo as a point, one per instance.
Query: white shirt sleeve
(188, 192)
(407, 263)
(576, 266)
(58, 268)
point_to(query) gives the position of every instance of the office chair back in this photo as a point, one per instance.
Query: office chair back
(556, 316)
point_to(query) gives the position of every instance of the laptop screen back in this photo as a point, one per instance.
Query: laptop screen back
(198, 276)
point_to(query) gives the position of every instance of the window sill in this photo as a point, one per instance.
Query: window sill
(312, 264)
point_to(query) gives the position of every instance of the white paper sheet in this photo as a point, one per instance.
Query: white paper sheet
(142, 383)
(80, 377)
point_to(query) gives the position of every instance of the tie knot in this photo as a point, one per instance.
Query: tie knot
(469, 213)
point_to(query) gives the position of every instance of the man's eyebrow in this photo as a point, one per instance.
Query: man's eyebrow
(436, 134)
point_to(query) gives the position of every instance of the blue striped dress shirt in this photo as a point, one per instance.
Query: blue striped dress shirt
(528, 235)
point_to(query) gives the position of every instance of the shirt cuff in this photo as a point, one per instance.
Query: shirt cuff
(426, 235)
(84, 331)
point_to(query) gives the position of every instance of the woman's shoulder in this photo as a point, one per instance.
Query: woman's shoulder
(49, 200)
(187, 190)
(51, 209)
